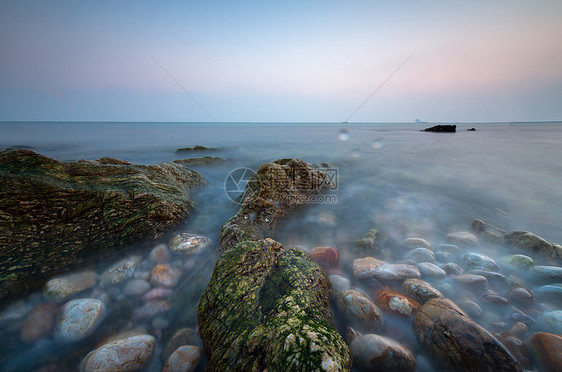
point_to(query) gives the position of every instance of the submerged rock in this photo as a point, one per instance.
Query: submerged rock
(78, 319)
(412, 243)
(480, 261)
(56, 214)
(517, 261)
(546, 273)
(39, 323)
(377, 353)
(533, 243)
(359, 310)
(457, 342)
(127, 354)
(420, 290)
(58, 289)
(396, 303)
(165, 275)
(120, 271)
(431, 271)
(396, 272)
(188, 243)
(339, 283)
(327, 257)
(205, 160)
(363, 268)
(551, 321)
(184, 359)
(547, 350)
(184, 336)
(462, 238)
(421, 255)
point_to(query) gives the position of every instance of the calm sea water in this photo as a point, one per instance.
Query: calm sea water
(389, 176)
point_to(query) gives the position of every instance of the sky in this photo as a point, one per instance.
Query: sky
(295, 60)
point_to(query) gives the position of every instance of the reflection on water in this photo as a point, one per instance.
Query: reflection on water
(393, 178)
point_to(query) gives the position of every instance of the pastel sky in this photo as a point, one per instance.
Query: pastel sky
(292, 60)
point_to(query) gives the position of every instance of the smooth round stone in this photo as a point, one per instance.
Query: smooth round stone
(494, 299)
(492, 276)
(142, 274)
(551, 292)
(188, 243)
(452, 268)
(522, 318)
(165, 275)
(517, 261)
(547, 350)
(120, 271)
(479, 261)
(151, 308)
(462, 238)
(363, 268)
(431, 271)
(552, 321)
(160, 323)
(128, 354)
(420, 290)
(39, 322)
(412, 243)
(441, 256)
(449, 248)
(421, 255)
(78, 319)
(446, 288)
(471, 308)
(325, 256)
(184, 336)
(157, 293)
(160, 253)
(358, 309)
(340, 283)
(58, 289)
(520, 296)
(547, 273)
(471, 280)
(396, 272)
(184, 359)
(517, 348)
(377, 353)
(136, 287)
(396, 303)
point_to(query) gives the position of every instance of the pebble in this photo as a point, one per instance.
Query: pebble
(120, 271)
(78, 319)
(547, 350)
(326, 257)
(431, 271)
(127, 354)
(494, 299)
(551, 292)
(471, 280)
(340, 283)
(492, 276)
(151, 309)
(520, 296)
(58, 289)
(523, 318)
(184, 359)
(517, 261)
(441, 256)
(136, 287)
(471, 308)
(546, 273)
(517, 348)
(412, 243)
(165, 275)
(189, 244)
(449, 248)
(446, 288)
(395, 272)
(452, 268)
(479, 261)
(396, 303)
(378, 353)
(16, 311)
(552, 321)
(160, 254)
(359, 310)
(420, 290)
(363, 268)
(462, 238)
(184, 336)
(157, 293)
(421, 255)
(39, 322)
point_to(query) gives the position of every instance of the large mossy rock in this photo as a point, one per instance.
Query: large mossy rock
(54, 214)
(266, 307)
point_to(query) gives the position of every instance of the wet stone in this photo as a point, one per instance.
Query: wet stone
(184, 336)
(421, 255)
(326, 257)
(136, 287)
(479, 261)
(120, 271)
(127, 354)
(363, 268)
(152, 308)
(359, 310)
(78, 319)
(184, 359)
(470, 307)
(492, 276)
(377, 353)
(396, 303)
(39, 322)
(156, 294)
(517, 261)
(441, 256)
(412, 243)
(431, 271)
(58, 289)
(462, 238)
(517, 348)
(522, 318)
(396, 272)
(449, 248)
(165, 275)
(452, 268)
(446, 288)
(520, 296)
(551, 293)
(494, 299)
(339, 283)
(547, 350)
(471, 280)
(160, 253)
(546, 273)
(551, 321)
(420, 290)
(187, 243)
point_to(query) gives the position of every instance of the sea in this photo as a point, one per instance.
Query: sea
(390, 176)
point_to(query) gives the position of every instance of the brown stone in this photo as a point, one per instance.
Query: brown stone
(327, 257)
(396, 303)
(39, 323)
(547, 350)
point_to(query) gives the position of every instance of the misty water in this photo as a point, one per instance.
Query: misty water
(392, 177)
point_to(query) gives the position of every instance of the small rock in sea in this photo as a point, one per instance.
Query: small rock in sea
(120, 271)
(327, 257)
(431, 271)
(58, 289)
(551, 321)
(494, 299)
(184, 359)
(359, 310)
(136, 287)
(39, 322)
(377, 353)
(412, 243)
(450, 248)
(470, 280)
(520, 296)
(157, 293)
(442, 129)
(550, 293)
(471, 130)
(420, 290)
(396, 303)
(470, 307)
(396, 272)
(184, 336)
(78, 319)
(165, 275)
(339, 283)
(462, 238)
(160, 253)
(492, 276)
(188, 243)
(547, 350)
(533, 243)
(204, 160)
(194, 148)
(517, 348)
(480, 262)
(441, 256)
(151, 309)
(128, 354)
(363, 268)
(421, 255)
(517, 261)
(452, 268)
(546, 273)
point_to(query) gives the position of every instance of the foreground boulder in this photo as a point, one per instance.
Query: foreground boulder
(268, 307)
(53, 214)
(457, 342)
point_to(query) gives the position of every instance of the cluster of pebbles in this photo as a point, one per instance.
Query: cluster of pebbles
(132, 298)
(450, 305)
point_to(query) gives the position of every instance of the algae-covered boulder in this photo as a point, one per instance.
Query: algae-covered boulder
(53, 214)
(268, 308)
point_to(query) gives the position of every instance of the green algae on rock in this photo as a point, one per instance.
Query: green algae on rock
(54, 214)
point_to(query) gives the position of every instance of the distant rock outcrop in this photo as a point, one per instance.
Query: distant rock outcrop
(442, 129)
(54, 214)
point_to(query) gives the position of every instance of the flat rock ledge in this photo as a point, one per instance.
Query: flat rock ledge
(54, 214)
(268, 307)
